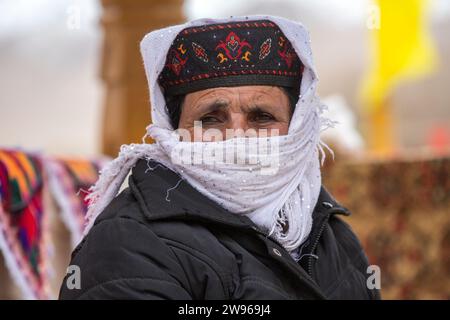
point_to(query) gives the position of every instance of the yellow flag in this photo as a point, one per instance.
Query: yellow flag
(402, 49)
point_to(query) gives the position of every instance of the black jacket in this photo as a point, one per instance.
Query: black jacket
(185, 246)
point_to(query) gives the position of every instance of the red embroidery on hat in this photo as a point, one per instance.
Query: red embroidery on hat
(287, 54)
(264, 50)
(233, 46)
(200, 52)
(237, 51)
(224, 73)
(175, 62)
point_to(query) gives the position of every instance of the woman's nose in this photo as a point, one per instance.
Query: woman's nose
(237, 125)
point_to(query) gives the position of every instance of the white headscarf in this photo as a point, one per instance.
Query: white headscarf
(270, 201)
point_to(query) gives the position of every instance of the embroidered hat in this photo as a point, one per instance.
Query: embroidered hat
(230, 54)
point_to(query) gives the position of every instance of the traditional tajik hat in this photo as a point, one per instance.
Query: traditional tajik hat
(230, 54)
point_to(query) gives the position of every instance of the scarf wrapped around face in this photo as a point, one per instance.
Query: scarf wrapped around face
(278, 192)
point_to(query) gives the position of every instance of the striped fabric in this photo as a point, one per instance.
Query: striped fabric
(23, 227)
(69, 181)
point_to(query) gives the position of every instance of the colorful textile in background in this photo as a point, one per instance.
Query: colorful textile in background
(70, 180)
(23, 229)
(401, 212)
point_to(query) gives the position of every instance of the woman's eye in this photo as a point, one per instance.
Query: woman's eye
(209, 119)
(263, 117)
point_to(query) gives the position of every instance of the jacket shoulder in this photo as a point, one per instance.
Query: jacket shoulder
(348, 241)
(352, 251)
(126, 257)
(122, 258)
(124, 205)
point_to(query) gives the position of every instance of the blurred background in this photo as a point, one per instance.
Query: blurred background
(73, 89)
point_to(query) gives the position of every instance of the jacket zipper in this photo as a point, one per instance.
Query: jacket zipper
(312, 285)
(316, 242)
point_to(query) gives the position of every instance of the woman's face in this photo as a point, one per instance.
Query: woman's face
(243, 110)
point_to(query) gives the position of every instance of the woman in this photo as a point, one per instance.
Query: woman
(230, 205)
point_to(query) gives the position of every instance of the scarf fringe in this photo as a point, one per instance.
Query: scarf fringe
(111, 179)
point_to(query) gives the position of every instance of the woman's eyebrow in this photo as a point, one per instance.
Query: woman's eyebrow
(214, 106)
(259, 107)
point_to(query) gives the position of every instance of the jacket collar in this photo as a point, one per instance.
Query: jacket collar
(162, 194)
